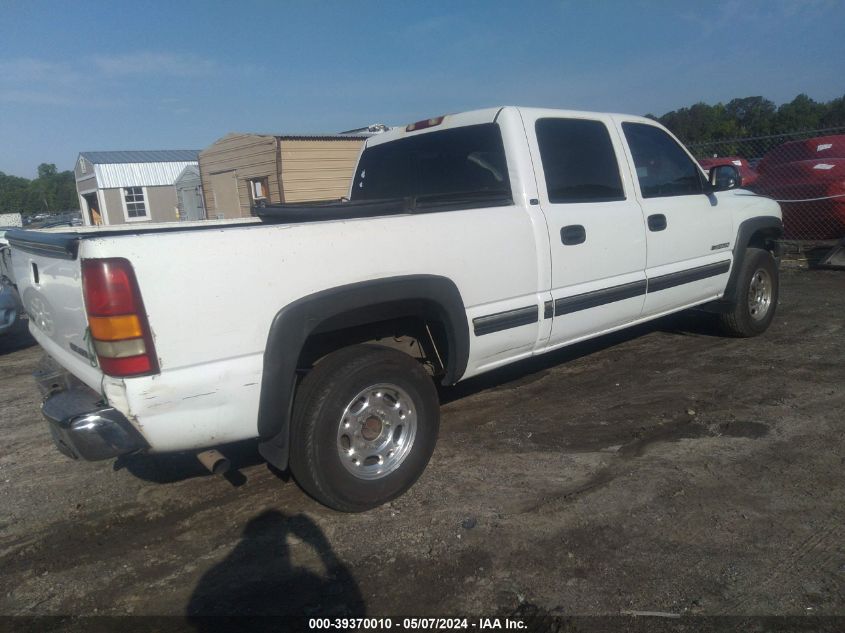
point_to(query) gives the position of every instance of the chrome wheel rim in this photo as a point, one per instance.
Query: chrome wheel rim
(759, 294)
(376, 431)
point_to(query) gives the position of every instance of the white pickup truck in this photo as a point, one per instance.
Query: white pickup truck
(468, 241)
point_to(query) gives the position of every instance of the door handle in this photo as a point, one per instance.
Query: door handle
(656, 222)
(573, 234)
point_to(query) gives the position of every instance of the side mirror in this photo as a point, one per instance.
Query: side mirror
(724, 177)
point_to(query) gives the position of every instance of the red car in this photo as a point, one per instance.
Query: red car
(820, 147)
(749, 176)
(808, 179)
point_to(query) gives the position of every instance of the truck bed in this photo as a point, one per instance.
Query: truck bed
(64, 244)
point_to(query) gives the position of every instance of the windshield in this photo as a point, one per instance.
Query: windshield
(464, 160)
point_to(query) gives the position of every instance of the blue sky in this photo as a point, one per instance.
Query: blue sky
(91, 75)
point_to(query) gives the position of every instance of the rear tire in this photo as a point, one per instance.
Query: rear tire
(364, 427)
(757, 295)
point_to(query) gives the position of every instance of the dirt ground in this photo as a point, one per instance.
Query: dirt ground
(660, 469)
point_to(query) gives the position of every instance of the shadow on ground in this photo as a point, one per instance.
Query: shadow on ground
(690, 323)
(173, 467)
(260, 578)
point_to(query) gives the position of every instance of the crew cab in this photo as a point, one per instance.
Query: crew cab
(468, 241)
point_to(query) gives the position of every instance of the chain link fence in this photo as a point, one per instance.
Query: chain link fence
(803, 171)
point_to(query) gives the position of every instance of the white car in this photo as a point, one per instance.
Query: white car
(468, 242)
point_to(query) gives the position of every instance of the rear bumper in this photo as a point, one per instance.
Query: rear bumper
(83, 426)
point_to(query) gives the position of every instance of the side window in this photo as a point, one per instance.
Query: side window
(578, 161)
(663, 168)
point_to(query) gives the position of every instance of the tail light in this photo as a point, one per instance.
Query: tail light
(117, 319)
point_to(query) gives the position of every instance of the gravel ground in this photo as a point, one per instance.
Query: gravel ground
(660, 469)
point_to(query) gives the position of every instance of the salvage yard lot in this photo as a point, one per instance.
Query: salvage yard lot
(658, 469)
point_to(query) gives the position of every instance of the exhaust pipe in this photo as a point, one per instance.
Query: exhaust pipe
(214, 461)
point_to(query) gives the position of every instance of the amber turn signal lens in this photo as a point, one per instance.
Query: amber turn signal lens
(115, 328)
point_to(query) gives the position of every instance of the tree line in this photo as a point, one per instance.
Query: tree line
(752, 117)
(51, 192)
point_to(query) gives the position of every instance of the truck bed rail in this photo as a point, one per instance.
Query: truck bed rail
(65, 245)
(353, 209)
(58, 245)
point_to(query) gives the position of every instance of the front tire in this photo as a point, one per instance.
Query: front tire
(364, 427)
(757, 295)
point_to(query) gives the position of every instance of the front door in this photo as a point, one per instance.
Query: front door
(595, 225)
(689, 231)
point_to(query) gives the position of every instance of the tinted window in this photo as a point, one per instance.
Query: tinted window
(663, 168)
(462, 160)
(578, 160)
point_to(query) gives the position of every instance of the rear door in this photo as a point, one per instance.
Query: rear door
(595, 225)
(689, 232)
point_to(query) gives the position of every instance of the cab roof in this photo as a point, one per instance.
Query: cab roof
(489, 115)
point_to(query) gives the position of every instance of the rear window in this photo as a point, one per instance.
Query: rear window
(578, 161)
(467, 159)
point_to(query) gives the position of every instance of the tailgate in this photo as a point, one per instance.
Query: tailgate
(47, 272)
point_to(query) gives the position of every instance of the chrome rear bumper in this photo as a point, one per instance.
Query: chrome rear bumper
(83, 426)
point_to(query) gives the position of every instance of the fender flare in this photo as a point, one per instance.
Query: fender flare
(294, 323)
(768, 223)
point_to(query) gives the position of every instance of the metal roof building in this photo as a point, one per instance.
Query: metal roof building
(130, 186)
